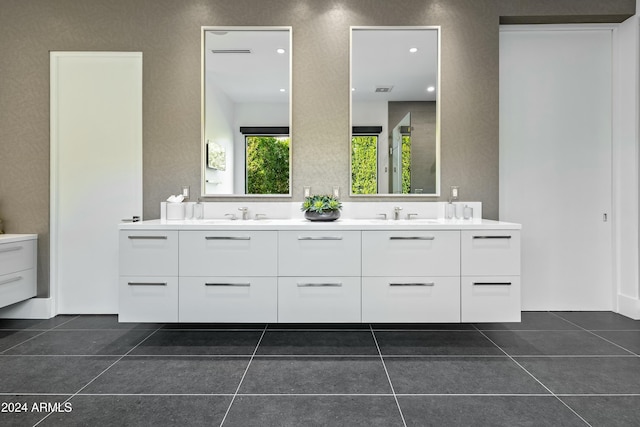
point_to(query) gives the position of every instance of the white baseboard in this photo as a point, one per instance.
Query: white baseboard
(34, 308)
(629, 307)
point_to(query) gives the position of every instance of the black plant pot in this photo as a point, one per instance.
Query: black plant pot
(322, 216)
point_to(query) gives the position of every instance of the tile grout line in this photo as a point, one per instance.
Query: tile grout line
(536, 379)
(36, 336)
(255, 350)
(100, 374)
(593, 333)
(395, 397)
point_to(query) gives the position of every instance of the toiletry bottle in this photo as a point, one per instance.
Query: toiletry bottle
(450, 210)
(468, 212)
(198, 210)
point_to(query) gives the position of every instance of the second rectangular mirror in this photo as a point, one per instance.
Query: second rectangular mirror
(246, 111)
(395, 113)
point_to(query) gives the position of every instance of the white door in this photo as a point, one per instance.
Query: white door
(555, 162)
(96, 173)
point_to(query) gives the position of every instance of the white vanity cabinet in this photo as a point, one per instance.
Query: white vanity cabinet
(411, 276)
(291, 271)
(490, 283)
(148, 285)
(17, 268)
(319, 276)
(228, 276)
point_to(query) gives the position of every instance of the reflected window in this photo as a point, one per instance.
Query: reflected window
(267, 164)
(364, 164)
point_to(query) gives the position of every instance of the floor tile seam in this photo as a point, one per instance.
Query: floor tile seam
(44, 331)
(617, 345)
(318, 330)
(593, 333)
(206, 330)
(384, 366)
(3, 353)
(246, 369)
(74, 317)
(538, 381)
(97, 376)
(579, 356)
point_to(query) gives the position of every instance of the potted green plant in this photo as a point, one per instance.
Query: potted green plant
(321, 208)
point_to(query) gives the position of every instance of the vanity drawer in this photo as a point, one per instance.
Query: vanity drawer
(319, 253)
(148, 253)
(319, 299)
(228, 299)
(490, 252)
(411, 299)
(411, 253)
(490, 299)
(148, 299)
(228, 253)
(17, 256)
(17, 286)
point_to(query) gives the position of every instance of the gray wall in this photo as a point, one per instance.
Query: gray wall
(168, 34)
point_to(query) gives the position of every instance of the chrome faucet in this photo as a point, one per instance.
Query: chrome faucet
(396, 212)
(409, 215)
(245, 213)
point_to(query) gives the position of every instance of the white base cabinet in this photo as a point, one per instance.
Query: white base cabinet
(148, 299)
(319, 299)
(490, 299)
(228, 299)
(410, 299)
(319, 275)
(17, 268)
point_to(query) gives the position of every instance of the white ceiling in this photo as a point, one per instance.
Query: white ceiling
(380, 57)
(249, 77)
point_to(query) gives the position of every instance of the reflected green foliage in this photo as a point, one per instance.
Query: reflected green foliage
(267, 165)
(406, 164)
(364, 164)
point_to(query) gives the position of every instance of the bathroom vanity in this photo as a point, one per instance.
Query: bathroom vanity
(17, 267)
(296, 271)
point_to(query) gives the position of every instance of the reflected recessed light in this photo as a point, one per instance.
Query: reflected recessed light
(431, 89)
(353, 89)
(283, 90)
(280, 50)
(413, 50)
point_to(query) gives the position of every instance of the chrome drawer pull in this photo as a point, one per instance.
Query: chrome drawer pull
(227, 238)
(413, 284)
(147, 283)
(11, 249)
(319, 238)
(13, 279)
(318, 285)
(491, 237)
(228, 284)
(147, 237)
(412, 238)
(491, 283)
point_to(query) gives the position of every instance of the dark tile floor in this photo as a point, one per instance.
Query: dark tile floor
(552, 369)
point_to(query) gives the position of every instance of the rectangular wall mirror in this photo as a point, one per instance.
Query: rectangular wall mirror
(246, 111)
(395, 111)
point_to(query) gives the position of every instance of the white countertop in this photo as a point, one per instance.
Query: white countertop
(10, 238)
(303, 224)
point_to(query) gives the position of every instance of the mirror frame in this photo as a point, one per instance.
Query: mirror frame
(438, 109)
(203, 142)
